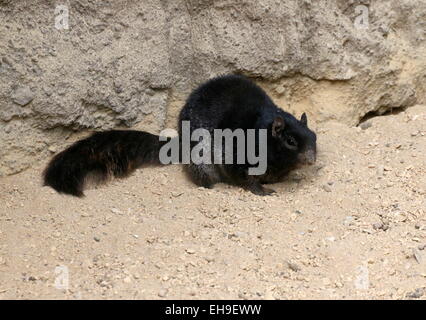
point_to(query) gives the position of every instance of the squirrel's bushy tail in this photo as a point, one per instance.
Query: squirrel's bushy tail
(102, 155)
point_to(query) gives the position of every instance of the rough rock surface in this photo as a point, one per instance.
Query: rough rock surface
(132, 63)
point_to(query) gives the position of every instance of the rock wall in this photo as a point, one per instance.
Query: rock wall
(132, 63)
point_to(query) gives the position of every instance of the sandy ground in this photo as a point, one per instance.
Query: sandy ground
(353, 226)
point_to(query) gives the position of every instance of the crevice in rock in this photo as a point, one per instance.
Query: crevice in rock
(379, 113)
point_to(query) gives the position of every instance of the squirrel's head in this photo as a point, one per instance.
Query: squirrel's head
(294, 138)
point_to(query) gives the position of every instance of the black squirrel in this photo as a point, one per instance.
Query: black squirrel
(226, 102)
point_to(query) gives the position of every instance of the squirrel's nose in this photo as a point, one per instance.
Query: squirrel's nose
(308, 157)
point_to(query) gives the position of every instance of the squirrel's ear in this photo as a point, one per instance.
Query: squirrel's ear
(277, 126)
(304, 119)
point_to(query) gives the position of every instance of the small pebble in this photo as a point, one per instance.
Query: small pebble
(377, 225)
(418, 256)
(209, 258)
(293, 266)
(52, 149)
(280, 90)
(22, 95)
(326, 188)
(418, 293)
(365, 125)
(115, 210)
(380, 170)
(162, 293)
(381, 226)
(349, 220)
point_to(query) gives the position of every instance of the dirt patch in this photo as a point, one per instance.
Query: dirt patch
(351, 226)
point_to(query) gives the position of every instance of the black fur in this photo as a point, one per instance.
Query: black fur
(102, 155)
(225, 102)
(235, 102)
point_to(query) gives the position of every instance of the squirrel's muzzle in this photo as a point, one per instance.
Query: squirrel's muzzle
(308, 157)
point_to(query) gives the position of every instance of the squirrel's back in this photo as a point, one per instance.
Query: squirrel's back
(229, 101)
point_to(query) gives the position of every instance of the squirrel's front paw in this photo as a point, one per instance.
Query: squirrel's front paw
(262, 191)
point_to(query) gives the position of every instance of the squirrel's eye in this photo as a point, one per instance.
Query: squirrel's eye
(291, 143)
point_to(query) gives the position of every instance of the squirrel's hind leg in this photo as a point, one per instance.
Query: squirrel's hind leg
(203, 175)
(256, 188)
